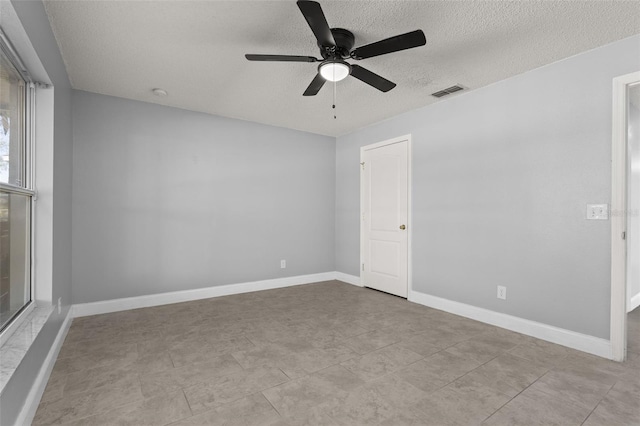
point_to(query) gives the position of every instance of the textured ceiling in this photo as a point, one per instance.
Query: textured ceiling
(195, 51)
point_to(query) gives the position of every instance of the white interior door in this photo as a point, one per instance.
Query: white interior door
(385, 211)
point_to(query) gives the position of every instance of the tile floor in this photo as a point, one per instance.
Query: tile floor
(327, 354)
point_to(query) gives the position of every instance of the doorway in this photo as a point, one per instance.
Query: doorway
(385, 228)
(625, 216)
(633, 219)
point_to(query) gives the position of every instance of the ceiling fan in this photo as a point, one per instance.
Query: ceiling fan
(336, 45)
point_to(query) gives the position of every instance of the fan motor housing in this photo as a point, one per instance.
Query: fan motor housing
(344, 43)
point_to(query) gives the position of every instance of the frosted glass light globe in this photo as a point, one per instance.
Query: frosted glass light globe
(334, 71)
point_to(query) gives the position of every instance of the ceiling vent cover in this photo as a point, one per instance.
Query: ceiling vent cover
(448, 91)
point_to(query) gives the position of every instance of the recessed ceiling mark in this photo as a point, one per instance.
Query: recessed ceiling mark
(160, 92)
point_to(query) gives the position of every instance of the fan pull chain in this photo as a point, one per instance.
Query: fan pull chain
(334, 98)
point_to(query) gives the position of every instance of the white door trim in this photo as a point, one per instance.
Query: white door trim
(399, 139)
(619, 169)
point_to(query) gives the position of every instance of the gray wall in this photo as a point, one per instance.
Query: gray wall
(36, 24)
(166, 199)
(501, 179)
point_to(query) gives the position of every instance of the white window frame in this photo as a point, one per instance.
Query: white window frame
(28, 189)
(42, 139)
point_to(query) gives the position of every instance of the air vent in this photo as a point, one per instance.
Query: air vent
(447, 91)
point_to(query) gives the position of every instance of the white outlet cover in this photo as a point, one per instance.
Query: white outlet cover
(283, 264)
(597, 211)
(502, 292)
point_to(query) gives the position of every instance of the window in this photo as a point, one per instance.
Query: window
(16, 193)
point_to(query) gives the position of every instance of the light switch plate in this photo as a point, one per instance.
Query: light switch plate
(597, 211)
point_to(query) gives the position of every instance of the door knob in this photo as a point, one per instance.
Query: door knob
(403, 227)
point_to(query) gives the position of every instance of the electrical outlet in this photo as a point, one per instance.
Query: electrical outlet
(502, 292)
(283, 264)
(59, 304)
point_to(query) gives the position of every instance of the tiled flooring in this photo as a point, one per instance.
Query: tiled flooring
(327, 354)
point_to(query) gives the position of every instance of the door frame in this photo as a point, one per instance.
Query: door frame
(619, 176)
(392, 141)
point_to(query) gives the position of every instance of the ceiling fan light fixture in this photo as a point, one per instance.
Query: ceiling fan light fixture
(334, 70)
(336, 45)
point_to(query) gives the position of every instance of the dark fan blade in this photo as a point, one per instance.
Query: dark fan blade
(371, 78)
(389, 45)
(281, 58)
(315, 18)
(315, 86)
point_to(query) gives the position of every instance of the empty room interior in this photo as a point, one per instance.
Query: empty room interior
(319, 213)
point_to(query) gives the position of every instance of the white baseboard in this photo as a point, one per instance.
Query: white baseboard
(116, 305)
(349, 279)
(560, 336)
(30, 406)
(634, 302)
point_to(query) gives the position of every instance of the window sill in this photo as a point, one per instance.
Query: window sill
(15, 348)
